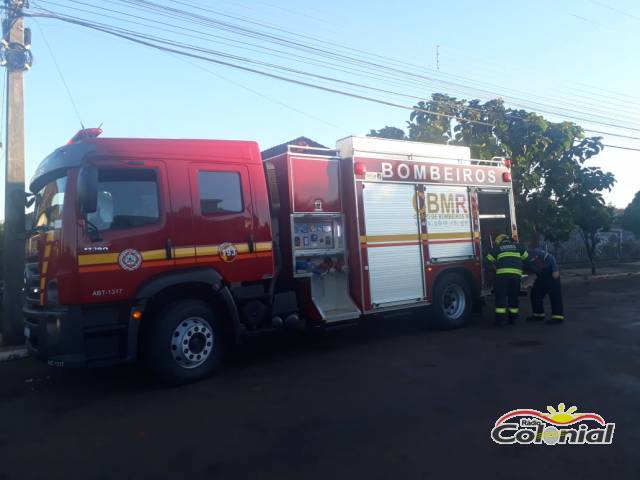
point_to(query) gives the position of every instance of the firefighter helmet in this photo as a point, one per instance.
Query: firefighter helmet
(501, 238)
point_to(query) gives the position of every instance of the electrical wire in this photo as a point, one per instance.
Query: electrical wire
(279, 77)
(60, 74)
(262, 95)
(564, 112)
(621, 147)
(253, 70)
(174, 13)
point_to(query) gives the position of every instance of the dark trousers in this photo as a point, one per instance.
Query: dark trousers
(545, 285)
(507, 292)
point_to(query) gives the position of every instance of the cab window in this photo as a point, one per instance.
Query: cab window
(127, 198)
(220, 193)
(49, 204)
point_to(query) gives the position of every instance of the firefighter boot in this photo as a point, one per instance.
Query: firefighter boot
(501, 314)
(536, 317)
(513, 315)
(555, 319)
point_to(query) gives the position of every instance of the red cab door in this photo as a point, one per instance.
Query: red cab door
(223, 219)
(128, 239)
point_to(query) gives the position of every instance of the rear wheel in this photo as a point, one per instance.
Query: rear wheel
(185, 342)
(452, 301)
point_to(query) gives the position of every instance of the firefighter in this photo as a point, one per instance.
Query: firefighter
(507, 257)
(547, 282)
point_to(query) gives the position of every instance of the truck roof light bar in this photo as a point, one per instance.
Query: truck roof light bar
(84, 134)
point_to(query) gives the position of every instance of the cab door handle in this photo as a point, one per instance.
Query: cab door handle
(252, 244)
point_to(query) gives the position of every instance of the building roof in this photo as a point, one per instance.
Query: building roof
(282, 148)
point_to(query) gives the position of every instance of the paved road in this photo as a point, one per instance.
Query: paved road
(391, 400)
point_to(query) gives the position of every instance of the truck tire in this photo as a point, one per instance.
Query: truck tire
(185, 342)
(452, 301)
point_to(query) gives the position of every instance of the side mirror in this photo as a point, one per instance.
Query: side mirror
(88, 189)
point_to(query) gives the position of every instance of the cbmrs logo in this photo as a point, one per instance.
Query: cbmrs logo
(446, 203)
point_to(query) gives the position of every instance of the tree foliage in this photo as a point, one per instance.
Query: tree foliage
(388, 132)
(553, 187)
(630, 218)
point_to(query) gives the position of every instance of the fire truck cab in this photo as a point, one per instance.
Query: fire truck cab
(173, 250)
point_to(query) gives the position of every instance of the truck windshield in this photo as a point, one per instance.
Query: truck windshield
(49, 204)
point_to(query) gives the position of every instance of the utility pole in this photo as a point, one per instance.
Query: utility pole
(438, 57)
(17, 58)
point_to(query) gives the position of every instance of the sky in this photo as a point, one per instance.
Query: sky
(570, 58)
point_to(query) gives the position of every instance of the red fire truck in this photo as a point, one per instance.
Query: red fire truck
(172, 250)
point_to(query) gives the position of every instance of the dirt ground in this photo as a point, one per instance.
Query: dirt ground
(391, 399)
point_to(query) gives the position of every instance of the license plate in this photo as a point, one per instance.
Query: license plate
(27, 332)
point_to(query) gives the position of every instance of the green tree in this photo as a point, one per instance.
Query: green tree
(591, 217)
(630, 219)
(388, 132)
(548, 158)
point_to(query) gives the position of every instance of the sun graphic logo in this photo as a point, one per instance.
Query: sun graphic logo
(561, 426)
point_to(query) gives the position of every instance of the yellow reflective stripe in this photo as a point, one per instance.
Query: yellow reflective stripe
(491, 258)
(557, 317)
(447, 236)
(525, 255)
(505, 271)
(154, 255)
(264, 246)
(242, 247)
(508, 254)
(184, 252)
(501, 310)
(389, 238)
(538, 315)
(97, 259)
(514, 310)
(206, 250)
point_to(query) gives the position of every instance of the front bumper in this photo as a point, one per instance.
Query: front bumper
(75, 336)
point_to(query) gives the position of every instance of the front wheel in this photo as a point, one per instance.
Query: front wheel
(452, 301)
(185, 342)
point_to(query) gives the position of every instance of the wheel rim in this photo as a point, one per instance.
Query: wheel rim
(192, 342)
(454, 301)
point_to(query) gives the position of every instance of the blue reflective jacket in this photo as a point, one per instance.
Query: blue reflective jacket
(541, 262)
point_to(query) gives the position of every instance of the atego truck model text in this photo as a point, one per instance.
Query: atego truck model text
(172, 250)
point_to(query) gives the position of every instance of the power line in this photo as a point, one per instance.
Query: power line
(618, 10)
(621, 147)
(262, 95)
(515, 101)
(253, 70)
(132, 37)
(60, 74)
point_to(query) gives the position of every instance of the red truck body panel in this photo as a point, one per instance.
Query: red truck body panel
(93, 272)
(328, 234)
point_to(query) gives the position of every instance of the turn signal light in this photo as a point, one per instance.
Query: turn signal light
(506, 176)
(360, 168)
(137, 315)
